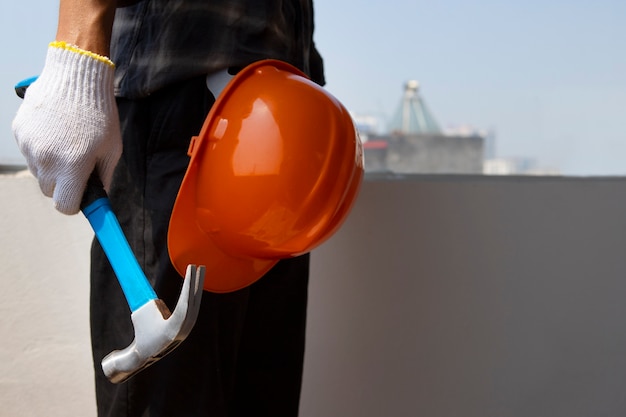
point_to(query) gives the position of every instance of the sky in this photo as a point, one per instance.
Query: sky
(548, 77)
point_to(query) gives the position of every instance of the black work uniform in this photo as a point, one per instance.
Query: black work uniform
(244, 356)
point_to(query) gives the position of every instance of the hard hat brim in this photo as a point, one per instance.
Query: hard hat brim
(189, 244)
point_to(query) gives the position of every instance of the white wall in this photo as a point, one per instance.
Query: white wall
(45, 359)
(472, 296)
(441, 296)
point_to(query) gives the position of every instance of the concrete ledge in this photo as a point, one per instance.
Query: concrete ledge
(440, 296)
(472, 296)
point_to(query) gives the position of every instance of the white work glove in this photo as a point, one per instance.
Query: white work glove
(68, 125)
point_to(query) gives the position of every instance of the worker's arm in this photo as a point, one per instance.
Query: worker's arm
(67, 126)
(87, 24)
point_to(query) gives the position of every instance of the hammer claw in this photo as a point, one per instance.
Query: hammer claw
(156, 334)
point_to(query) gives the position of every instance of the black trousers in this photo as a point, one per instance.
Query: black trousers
(244, 356)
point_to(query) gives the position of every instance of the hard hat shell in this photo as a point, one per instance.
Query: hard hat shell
(273, 174)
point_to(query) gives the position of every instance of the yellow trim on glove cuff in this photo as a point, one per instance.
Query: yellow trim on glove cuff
(76, 49)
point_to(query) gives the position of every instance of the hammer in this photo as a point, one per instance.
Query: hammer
(157, 330)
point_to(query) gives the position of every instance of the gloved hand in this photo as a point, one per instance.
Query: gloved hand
(68, 124)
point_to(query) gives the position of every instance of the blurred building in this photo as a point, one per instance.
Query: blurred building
(416, 143)
(517, 166)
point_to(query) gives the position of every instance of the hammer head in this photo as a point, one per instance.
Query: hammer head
(157, 331)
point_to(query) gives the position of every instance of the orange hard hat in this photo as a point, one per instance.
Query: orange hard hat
(273, 173)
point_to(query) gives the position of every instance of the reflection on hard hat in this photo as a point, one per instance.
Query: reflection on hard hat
(254, 156)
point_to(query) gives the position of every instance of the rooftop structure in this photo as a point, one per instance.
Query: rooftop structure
(412, 116)
(416, 143)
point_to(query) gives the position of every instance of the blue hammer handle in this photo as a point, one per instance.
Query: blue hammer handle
(22, 86)
(97, 209)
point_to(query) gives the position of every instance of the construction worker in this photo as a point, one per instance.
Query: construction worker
(122, 91)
